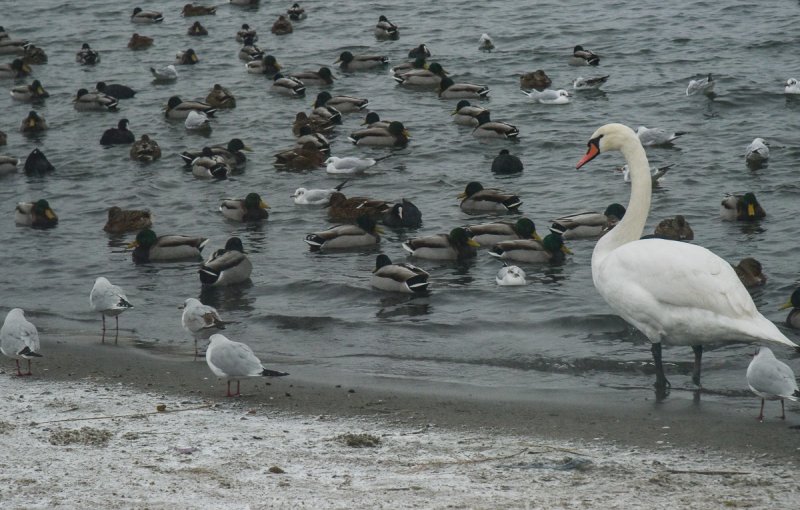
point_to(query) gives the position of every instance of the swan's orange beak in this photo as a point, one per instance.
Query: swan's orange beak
(591, 153)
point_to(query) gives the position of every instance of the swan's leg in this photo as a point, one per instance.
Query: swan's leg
(698, 356)
(116, 336)
(103, 338)
(661, 379)
(761, 413)
(783, 411)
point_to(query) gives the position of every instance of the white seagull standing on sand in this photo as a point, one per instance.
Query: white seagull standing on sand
(235, 361)
(200, 320)
(109, 300)
(771, 379)
(350, 165)
(703, 85)
(19, 339)
(657, 136)
(757, 153)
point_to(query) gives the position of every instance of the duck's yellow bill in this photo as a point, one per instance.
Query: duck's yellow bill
(473, 243)
(193, 57)
(379, 230)
(786, 305)
(536, 237)
(566, 250)
(751, 210)
(263, 205)
(31, 123)
(134, 244)
(49, 214)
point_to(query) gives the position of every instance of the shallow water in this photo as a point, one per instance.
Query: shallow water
(319, 310)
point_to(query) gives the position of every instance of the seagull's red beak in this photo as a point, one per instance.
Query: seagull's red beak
(591, 152)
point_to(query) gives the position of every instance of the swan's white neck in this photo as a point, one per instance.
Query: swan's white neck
(632, 224)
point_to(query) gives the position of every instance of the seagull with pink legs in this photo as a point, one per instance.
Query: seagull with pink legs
(19, 339)
(235, 361)
(771, 379)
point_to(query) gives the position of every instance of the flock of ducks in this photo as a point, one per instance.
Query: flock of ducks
(516, 241)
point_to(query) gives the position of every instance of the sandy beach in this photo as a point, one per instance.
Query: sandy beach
(85, 431)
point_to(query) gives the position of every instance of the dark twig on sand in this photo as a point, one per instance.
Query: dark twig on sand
(700, 472)
(134, 415)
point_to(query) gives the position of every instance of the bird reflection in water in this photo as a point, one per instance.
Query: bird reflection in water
(402, 305)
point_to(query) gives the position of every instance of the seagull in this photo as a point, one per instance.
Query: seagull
(550, 96)
(656, 172)
(19, 339)
(771, 379)
(792, 87)
(656, 136)
(197, 121)
(350, 165)
(510, 276)
(200, 320)
(303, 196)
(582, 83)
(235, 360)
(109, 300)
(164, 74)
(757, 153)
(703, 85)
(485, 43)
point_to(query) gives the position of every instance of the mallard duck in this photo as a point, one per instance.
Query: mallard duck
(234, 360)
(3, 138)
(197, 121)
(793, 319)
(550, 249)
(318, 78)
(341, 208)
(750, 272)
(307, 157)
(318, 139)
(268, 66)
(34, 55)
(403, 214)
(250, 51)
(149, 248)
(343, 104)
(304, 125)
(288, 86)
(582, 57)
(198, 10)
(585, 225)
(536, 80)
(228, 266)
(676, 229)
(349, 62)
(35, 214)
(87, 56)
(296, 13)
(127, 220)
(232, 152)
(385, 29)
(119, 135)
(581, 83)
(108, 299)
(282, 26)
(33, 123)
(10, 46)
(179, 109)
(431, 76)
(19, 339)
(741, 207)
(186, 58)
(220, 97)
(506, 163)
(141, 16)
(421, 51)
(466, 114)
(145, 150)
(488, 128)
(164, 74)
(477, 198)
(37, 164)
(364, 233)
(489, 234)
(140, 42)
(327, 114)
(245, 32)
(8, 165)
(510, 276)
(448, 89)
(197, 30)
(395, 135)
(757, 154)
(249, 208)
(373, 120)
(703, 86)
(416, 64)
(29, 93)
(94, 101)
(115, 90)
(400, 277)
(485, 43)
(457, 245)
(210, 166)
(16, 69)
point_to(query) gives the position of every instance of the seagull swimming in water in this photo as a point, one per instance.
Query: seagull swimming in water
(703, 85)
(550, 96)
(581, 83)
(657, 136)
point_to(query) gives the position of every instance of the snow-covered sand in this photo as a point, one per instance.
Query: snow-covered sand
(124, 453)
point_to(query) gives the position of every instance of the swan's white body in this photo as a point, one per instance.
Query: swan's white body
(673, 292)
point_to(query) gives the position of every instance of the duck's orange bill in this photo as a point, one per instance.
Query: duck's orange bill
(591, 153)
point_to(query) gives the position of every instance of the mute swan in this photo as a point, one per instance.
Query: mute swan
(671, 291)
